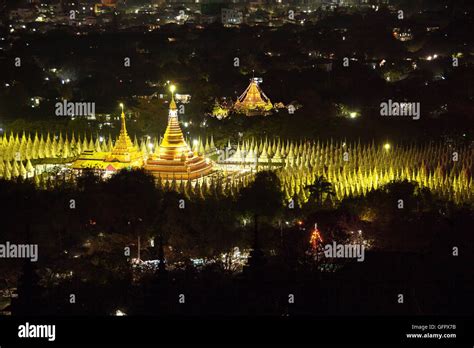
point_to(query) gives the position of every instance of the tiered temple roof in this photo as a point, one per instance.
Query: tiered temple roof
(174, 159)
(253, 101)
(123, 155)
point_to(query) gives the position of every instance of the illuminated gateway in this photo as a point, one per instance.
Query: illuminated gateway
(174, 159)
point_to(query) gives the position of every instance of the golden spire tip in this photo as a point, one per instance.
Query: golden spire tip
(121, 106)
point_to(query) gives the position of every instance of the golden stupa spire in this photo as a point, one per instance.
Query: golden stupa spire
(173, 144)
(124, 144)
(122, 155)
(174, 158)
(123, 127)
(172, 103)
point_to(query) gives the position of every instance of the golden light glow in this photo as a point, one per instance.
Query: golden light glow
(425, 166)
(253, 100)
(315, 239)
(386, 146)
(172, 88)
(123, 153)
(174, 158)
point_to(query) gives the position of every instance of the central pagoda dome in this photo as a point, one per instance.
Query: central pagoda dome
(174, 159)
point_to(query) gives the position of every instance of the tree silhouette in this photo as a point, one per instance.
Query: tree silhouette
(320, 188)
(261, 198)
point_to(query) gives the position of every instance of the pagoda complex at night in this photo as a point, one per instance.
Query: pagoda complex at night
(174, 159)
(123, 155)
(253, 101)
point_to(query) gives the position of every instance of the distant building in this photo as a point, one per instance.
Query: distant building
(183, 98)
(402, 34)
(231, 17)
(330, 4)
(105, 6)
(307, 4)
(23, 14)
(207, 19)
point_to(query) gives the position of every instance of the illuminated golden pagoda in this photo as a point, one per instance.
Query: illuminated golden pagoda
(123, 150)
(123, 154)
(174, 159)
(253, 101)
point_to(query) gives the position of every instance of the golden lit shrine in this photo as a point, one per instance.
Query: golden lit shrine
(123, 155)
(105, 5)
(253, 101)
(174, 159)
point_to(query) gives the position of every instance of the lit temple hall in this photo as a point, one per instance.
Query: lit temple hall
(253, 101)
